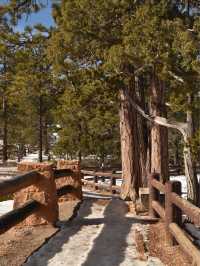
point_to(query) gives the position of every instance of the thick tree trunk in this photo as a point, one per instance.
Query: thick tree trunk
(40, 131)
(5, 131)
(131, 171)
(143, 134)
(159, 134)
(186, 130)
(190, 167)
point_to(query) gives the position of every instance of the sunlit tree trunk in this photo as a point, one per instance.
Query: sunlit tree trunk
(131, 172)
(159, 134)
(190, 166)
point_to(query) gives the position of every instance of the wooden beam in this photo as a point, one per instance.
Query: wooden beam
(158, 185)
(16, 216)
(16, 183)
(105, 174)
(185, 243)
(101, 186)
(159, 209)
(188, 208)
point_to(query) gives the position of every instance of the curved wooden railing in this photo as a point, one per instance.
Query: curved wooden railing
(165, 201)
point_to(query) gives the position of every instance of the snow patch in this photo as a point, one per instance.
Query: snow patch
(6, 206)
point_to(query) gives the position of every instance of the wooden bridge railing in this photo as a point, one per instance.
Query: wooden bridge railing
(111, 186)
(165, 201)
(38, 206)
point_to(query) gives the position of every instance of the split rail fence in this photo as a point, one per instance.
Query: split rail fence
(97, 175)
(10, 186)
(165, 201)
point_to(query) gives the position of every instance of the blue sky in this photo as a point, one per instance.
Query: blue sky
(43, 16)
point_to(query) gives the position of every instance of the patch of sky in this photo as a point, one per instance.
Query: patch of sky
(41, 17)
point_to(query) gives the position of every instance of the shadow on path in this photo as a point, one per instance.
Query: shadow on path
(55, 244)
(110, 246)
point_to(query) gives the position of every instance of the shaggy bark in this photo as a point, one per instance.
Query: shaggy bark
(131, 171)
(159, 134)
(190, 167)
(183, 128)
(143, 134)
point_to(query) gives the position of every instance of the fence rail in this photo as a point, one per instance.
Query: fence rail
(14, 184)
(112, 176)
(171, 212)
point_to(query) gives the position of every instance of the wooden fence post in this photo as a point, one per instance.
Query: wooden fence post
(154, 194)
(172, 213)
(43, 191)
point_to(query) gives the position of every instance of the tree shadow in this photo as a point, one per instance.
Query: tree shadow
(55, 244)
(110, 246)
(108, 249)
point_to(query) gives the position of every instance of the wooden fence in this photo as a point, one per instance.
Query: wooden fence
(165, 201)
(10, 186)
(101, 175)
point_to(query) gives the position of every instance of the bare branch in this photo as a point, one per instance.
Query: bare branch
(162, 121)
(179, 79)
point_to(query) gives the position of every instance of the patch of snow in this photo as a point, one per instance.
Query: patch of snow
(182, 179)
(6, 206)
(101, 235)
(33, 157)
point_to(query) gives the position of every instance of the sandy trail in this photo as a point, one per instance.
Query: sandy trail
(101, 235)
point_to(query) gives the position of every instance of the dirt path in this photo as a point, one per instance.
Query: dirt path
(101, 235)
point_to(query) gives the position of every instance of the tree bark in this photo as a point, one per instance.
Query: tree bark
(40, 131)
(143, 134)
(46, 138)
(159, 134)
(5, 131)
(190, 166)
(183, 128)
(131, 172)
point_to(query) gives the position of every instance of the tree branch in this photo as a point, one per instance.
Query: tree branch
(162, 121)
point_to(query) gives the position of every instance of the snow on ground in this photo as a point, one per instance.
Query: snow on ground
(182, 179)
(101, 235)
(6, 206)
(33, 157)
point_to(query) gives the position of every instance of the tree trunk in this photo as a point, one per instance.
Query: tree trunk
(46, 138)
(131, 172)
(5, 131)
(190, 167)
(80, 156)
(142, 134)
(40, 131)
(159, 134)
